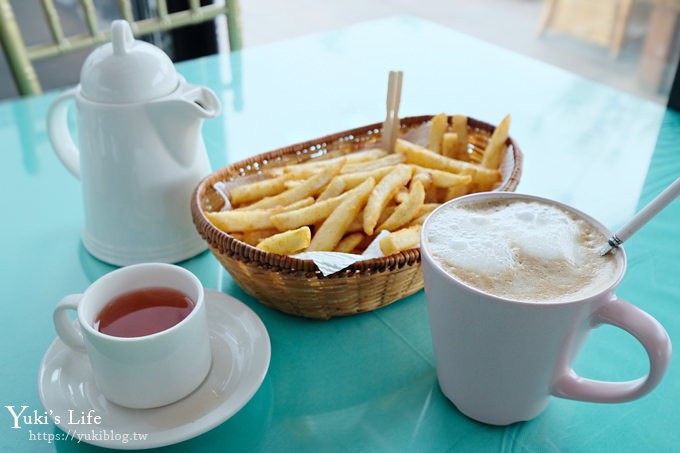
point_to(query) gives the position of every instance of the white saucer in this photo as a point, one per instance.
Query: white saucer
(241, 352)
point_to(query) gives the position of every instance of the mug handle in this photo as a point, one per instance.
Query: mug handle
(647, 331)
(58, 132)
(68, 331)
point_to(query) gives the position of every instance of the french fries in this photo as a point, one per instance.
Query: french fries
(450, 146)
(383, 193)
(254, 237)
(424, 157)
(443, 178)
(257, 190)
(349, 242)
(340, 203)
(307, 188)
(288, 242)
(439, 124)
(493, 154)
(333, 189)
(314, 165)
(423, 213)
(459, 127)
(308, 215)
(354, 179)
(404, 239)
(230, 221)
(407, 210)
(335, 226)
(387, 161)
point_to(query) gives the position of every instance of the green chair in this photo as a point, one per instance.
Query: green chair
(20, 57)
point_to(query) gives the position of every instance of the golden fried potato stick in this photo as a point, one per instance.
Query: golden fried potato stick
(432, 194)
(297, 204)
(308, 187)
(450, 146)
(315, 165)
(402, 195)
(418, 220)
(407, 210)
(358, 222)
(352, 180)
(308, 215)
(256, 190)
(425, 158)
(254, 219)
(427, 208)
(404, 239)
(425, 178)
(442, 178)
(254, 237)
(495, 149)
(239, 220)
(457, 190)
(292, 183)
(422, 214)
(288, 242)
(333, 189)
(387, 161)
(334, 227)
(440, 123)
(383, 193)
(459, 127)
(349, 242)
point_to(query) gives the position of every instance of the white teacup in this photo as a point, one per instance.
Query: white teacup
(499, 360)
(146, 371)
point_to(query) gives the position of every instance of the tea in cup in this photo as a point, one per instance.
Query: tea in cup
(514, 284)
(145, 331)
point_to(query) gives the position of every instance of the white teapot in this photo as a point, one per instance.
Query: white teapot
(140, 153)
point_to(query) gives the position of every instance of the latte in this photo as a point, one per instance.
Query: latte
(521, 250)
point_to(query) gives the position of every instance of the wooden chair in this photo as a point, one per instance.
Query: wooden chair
(20, 57)
(660, 46)
(601, 22)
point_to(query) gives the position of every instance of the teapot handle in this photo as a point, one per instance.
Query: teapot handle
(58, 132)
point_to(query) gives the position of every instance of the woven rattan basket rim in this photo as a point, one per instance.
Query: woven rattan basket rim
(232, 247)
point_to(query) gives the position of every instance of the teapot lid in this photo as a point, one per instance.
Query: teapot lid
(127, 70)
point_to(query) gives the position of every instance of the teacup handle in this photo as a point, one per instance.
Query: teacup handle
(647, 331)
(59, 134)
(68, 331)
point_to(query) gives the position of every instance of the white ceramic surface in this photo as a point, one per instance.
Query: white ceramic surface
(139, 160)
(127, 70)
(499, 361)
(147, 371)
(241, 354)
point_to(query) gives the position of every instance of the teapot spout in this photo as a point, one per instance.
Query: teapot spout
(203, 102)
(178, 121)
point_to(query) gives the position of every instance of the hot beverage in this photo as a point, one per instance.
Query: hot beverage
(139, 360)
(524, 250)
(143, 312)
(514, 284)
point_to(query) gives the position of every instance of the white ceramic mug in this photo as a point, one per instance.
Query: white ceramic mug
(148, 371)
(499, 361)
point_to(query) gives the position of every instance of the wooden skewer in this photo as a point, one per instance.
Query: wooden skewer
(395, 109)
(391, 124)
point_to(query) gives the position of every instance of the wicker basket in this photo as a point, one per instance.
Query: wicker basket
(296, 286)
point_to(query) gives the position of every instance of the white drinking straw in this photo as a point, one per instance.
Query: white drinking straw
(642, 217)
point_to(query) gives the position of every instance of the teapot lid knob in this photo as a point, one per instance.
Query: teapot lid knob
(121, 37)
(127, 70)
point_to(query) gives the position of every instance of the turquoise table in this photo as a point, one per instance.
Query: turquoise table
(367, 383)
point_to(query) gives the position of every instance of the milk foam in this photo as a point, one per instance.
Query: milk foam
(521, 250)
